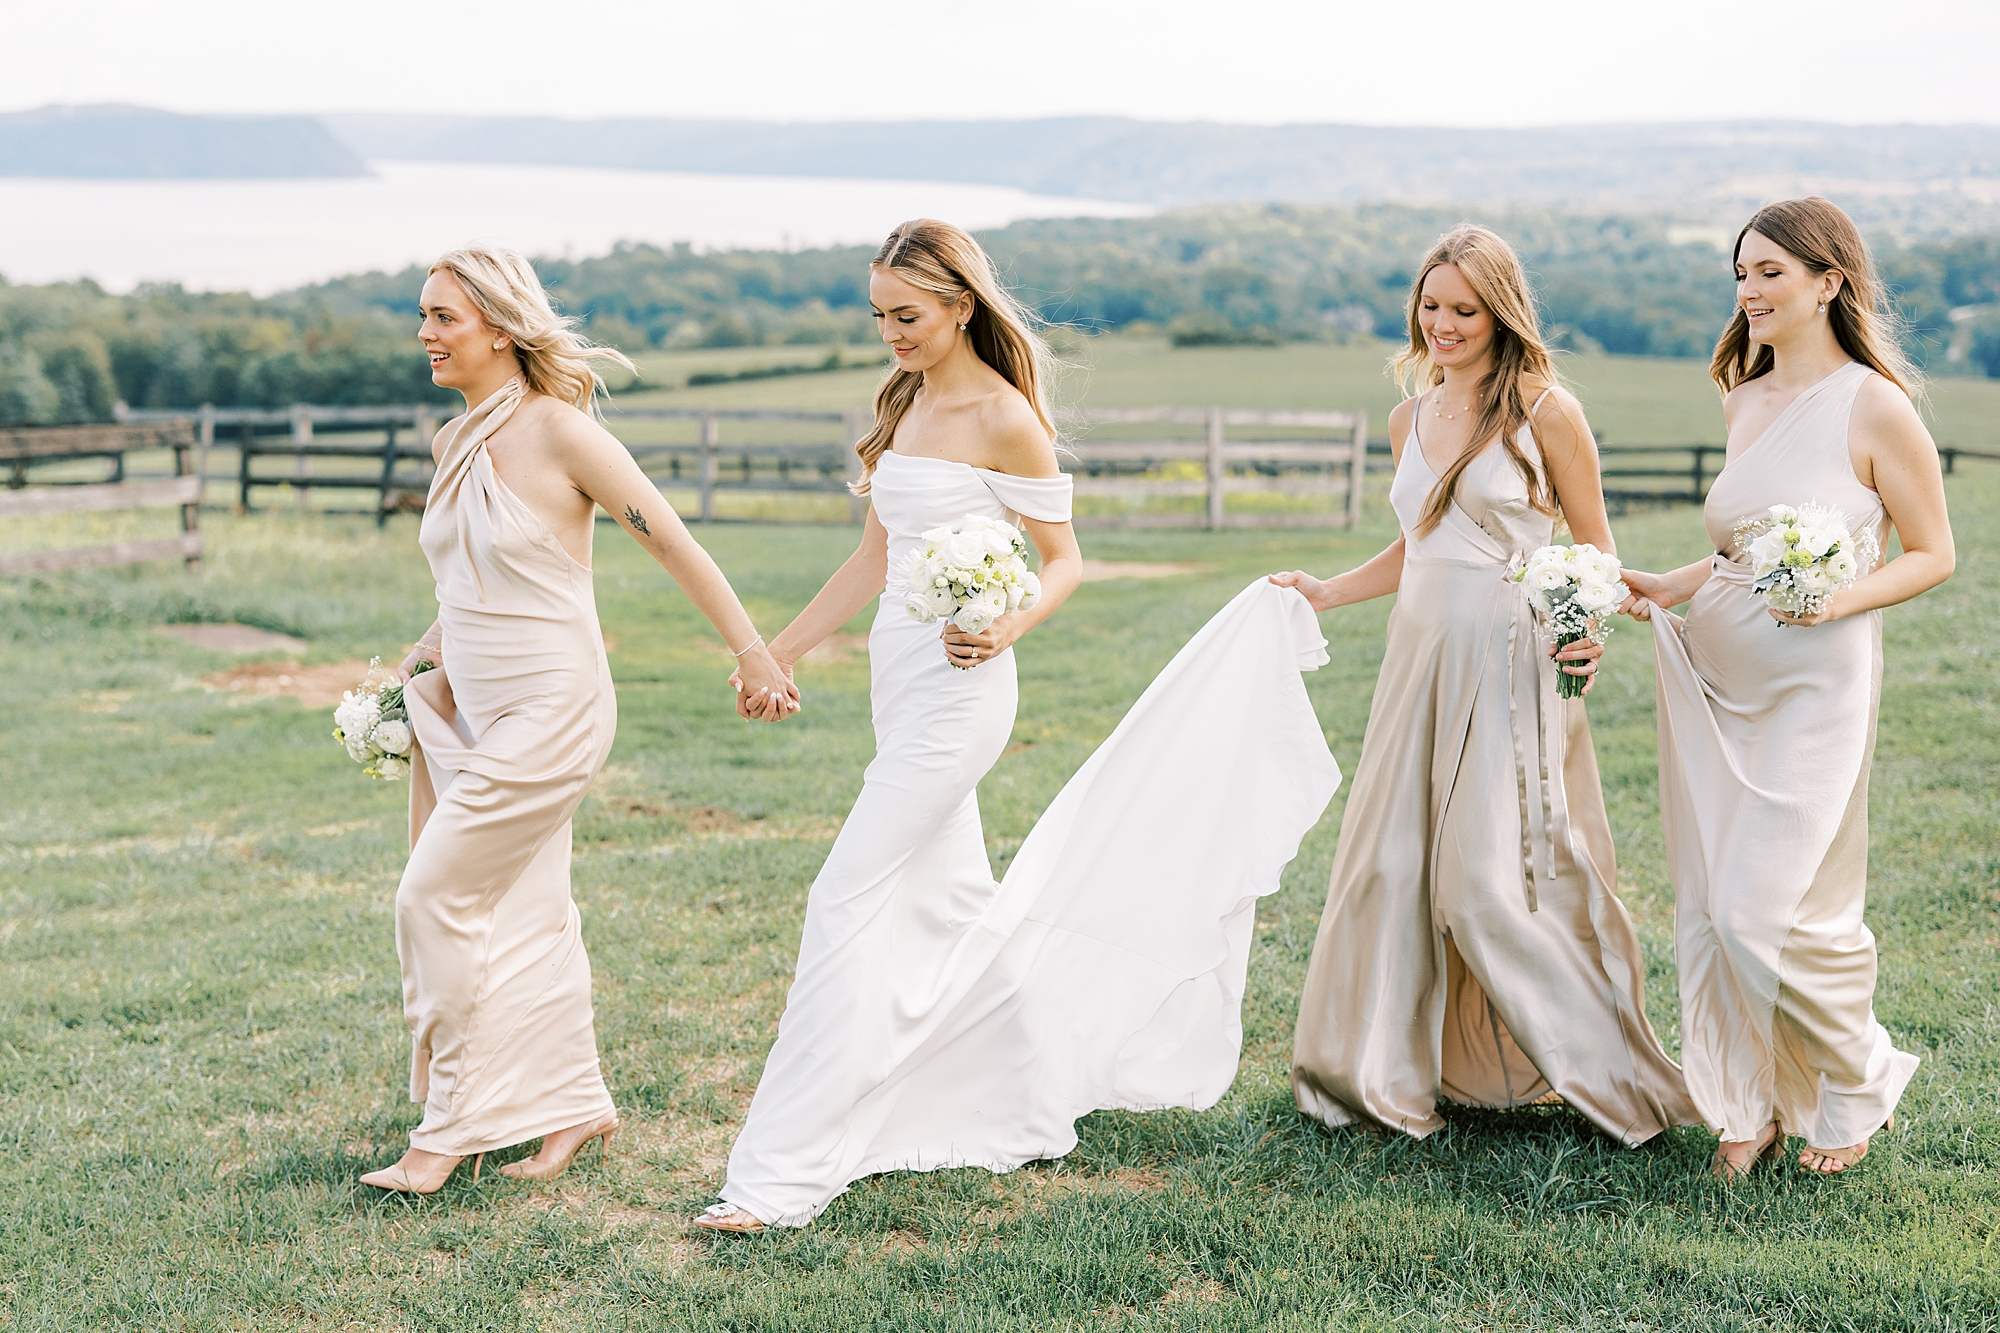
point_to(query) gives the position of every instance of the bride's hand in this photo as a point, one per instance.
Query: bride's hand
(969, 650)
(1319, 592)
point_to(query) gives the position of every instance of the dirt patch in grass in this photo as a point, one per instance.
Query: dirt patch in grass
(314, 686)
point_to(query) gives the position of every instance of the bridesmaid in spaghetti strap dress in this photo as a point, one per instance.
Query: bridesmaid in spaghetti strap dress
(514, 724)
(1767, 721)
(1473, 946)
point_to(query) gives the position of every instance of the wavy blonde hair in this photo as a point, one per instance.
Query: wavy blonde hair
(1493, 271)
(945, 261)
(554, 358)
(1818, 234)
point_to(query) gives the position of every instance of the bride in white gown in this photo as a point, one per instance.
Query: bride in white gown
(937, 1017)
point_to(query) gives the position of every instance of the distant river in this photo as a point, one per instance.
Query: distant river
(265, 236)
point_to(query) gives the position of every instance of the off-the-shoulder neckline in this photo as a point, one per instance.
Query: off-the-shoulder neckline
(953, 462)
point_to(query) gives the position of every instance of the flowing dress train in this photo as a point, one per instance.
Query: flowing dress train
(509, 734)
(1766, 737)
(941, 1018)
(1473, 945)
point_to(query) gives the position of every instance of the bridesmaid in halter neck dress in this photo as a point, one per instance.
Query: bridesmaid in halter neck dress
(513, 725)
(1767, 721)
(1473, 946)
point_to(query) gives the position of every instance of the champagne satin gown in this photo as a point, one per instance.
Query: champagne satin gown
(939, 1017)
(1473, 946)
(1766, 737)
(509, 734)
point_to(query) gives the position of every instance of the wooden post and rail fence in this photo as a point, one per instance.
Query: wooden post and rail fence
(1133, 467)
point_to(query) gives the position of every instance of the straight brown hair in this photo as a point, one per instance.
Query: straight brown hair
(1818, 234)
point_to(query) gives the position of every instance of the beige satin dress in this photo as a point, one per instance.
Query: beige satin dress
(1473, 946)
(1766, 736)
(496, 984)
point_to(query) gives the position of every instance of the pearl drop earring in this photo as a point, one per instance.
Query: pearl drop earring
(963, 327)
(1822, 307)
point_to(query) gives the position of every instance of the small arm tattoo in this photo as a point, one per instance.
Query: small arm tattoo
(637, 520)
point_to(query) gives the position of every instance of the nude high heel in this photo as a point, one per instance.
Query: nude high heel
(1729, 1173)
(397, 1179)
(536, 1168)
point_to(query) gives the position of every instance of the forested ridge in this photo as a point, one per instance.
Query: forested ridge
(1246, 273)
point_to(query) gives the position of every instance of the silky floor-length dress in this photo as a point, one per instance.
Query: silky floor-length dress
(939, 1018)
(1473, 946)
(496, 984)
(1766, 737)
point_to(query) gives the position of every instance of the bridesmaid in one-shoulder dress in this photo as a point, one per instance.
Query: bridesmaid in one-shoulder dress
(512, 727)
(1473, 946)
(1767, 721)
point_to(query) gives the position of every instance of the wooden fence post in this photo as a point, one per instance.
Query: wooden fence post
(191, 511)
(388, 475)
(706, 480)
(1216, 472)
(857, 424)
(246, 445)
(302, 433)
(1357, 468)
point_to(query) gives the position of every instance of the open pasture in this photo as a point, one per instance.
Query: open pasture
(201, 1043)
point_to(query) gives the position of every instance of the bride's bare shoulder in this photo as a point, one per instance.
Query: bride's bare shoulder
(1015, 441)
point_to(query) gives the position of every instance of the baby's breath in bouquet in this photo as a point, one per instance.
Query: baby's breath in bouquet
(970, 573)
(1574, 588)
(1802, 556)
(373, 725)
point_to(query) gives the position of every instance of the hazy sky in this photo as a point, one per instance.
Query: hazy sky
(1387, 62)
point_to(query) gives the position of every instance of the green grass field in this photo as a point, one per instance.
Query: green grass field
(201, 1043)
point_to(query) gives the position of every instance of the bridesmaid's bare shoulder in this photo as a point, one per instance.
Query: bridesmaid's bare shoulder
(1400, 417)
(1885, 423)
(1560, 425)
(570, 434)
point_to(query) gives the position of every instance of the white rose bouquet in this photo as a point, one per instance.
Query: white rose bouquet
(1574, 588)
(1802, 556)
(373, 725)
(970, 573)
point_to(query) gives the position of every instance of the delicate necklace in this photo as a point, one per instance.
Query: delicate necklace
(1437, 408)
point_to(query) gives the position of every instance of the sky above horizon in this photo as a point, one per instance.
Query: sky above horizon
(1530, 62)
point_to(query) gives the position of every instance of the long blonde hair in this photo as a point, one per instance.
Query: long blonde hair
(1493, 271)
(554, 358)
(1819, 235)
(945, 261)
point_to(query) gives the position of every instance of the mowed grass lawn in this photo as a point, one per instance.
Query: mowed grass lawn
(201, 1042)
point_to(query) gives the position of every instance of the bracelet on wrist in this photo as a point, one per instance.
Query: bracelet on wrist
(738, 653)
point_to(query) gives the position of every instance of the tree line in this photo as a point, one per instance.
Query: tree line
(1232, 274)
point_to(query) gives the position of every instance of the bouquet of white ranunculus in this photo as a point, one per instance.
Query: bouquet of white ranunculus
(374, 726)
(1802, 556)
(971, 573)
(1575, 588)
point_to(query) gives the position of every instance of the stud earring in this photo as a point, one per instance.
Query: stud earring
(963, 327)
(501, 346)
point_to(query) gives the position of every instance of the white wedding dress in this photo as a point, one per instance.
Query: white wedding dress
(939, 1018)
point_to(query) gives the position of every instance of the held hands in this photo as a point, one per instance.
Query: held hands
(1319, 592)
(764, 689)
(969, 650)
(1648, 592)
